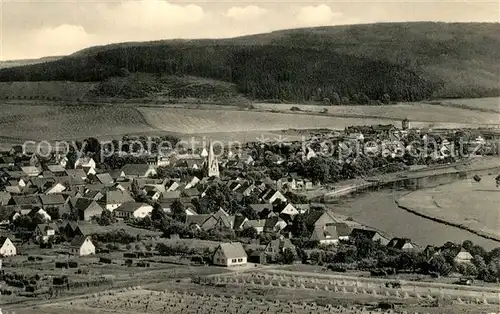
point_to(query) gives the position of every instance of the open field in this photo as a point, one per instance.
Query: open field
(471, 204)
(48, 122)
(276, 291)
(487, 103)
(418, 112)
(31, 121)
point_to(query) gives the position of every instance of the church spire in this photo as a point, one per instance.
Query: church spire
(212, 164)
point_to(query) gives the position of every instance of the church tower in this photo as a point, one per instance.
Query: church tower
(212, 166)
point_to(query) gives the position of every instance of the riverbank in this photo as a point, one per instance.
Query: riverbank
(373, 202)
(464, 204)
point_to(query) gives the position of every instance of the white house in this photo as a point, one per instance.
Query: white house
(289, 210)
(85, 162)
(463, 257)
(7, 248)
(230, 254)
(133, 209)
(56, 188)
(82, 246)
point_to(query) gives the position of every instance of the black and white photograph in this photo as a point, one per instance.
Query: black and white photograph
(249, 156)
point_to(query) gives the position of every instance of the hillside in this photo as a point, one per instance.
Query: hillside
(342, 64)
(21, 62)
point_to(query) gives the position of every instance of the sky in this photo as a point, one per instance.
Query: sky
(38, 28)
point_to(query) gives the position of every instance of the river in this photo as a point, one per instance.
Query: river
(378, 210)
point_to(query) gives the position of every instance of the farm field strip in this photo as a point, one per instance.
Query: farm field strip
(59, 122)
(414, 111)
(486, 103)
(144, 301)
(362, 286)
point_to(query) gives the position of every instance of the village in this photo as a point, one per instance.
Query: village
(67, 218)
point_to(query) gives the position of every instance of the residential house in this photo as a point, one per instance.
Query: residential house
(369, 234)
(87, 208)
(43, 233)
(194, 181)
(258, 224)
(153, 192)
(172, 186)
(133, 210)
(239, 222)
(245, 189)
(462, 256)
(26, 200)
(89, 229)
(41, 213)
(192, 193)
(288, 209)
(137, 171)
(7, 248)
(5, 198)
(31, 171)
(77, 175)
(171, 196)
(274, 225)
(113, 199)
(82, 246)
(271, 195)
(278, 246)
(262, 210)
(401, 244)
(52, 200)
(104, 178)
(56, 188)
(320, 219)
(302, 208)
(85, 162)
(344, 229)
(230, 254)
(326, 235)
(56, 169)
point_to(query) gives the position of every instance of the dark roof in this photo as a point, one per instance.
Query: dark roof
(193, 192)
(33, 200)
(117, 197)
(135, 169)
(343, 229)
(82, 204)
(260, 207)
(398, 243)
(104, 178)
(90, 229)
(52, 199)
(78, 241)
(238, 220)
(197, 219)
(130, 207)
(3, 239)
(232, 250)
(76, 173)
(327, 233)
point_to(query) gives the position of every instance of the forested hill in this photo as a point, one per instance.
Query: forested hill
(405, 61)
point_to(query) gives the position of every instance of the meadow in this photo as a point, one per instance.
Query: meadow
(420, 112)
(486, 104)
(468, 203)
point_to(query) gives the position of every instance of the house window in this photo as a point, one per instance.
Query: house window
(234, 260)
(240, 260)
